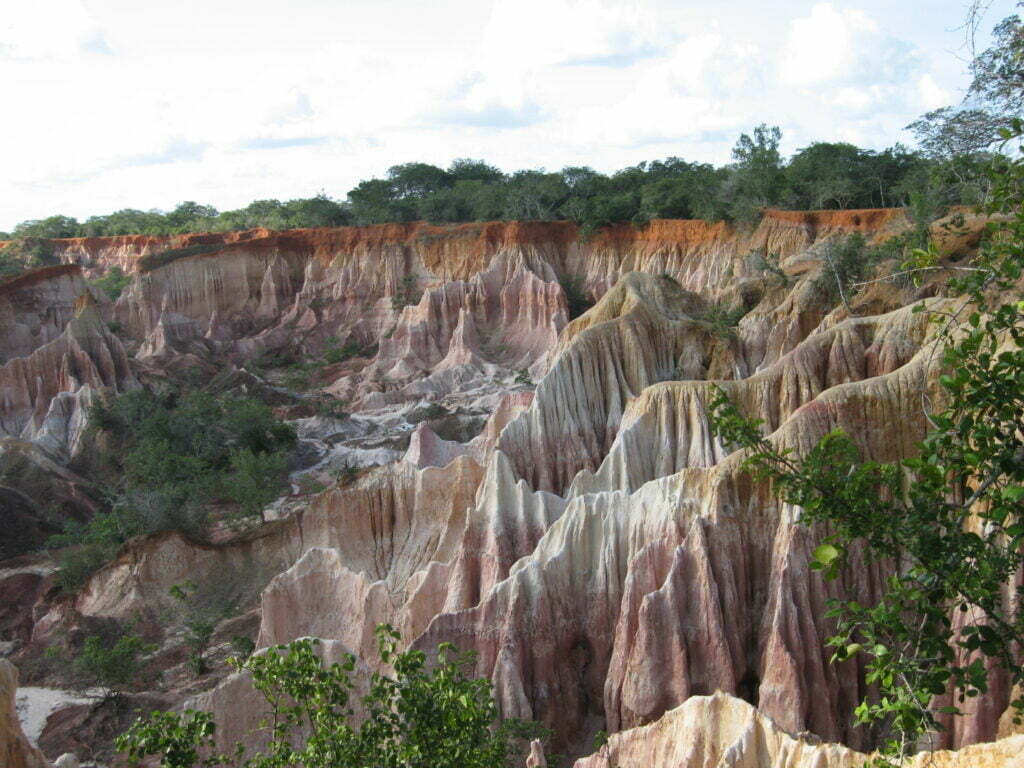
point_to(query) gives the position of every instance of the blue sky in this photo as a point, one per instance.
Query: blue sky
(144, 103)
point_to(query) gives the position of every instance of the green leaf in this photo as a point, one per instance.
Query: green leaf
(825, 554)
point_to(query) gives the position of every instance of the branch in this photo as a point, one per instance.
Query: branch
(918, 269)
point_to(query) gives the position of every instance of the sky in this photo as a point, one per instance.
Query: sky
(111, 104)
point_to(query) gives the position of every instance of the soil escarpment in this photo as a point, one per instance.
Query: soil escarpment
(487, 471)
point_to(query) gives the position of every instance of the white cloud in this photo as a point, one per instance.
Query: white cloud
(526, 34)
(51, 29)
(838, 46)
(932, 95)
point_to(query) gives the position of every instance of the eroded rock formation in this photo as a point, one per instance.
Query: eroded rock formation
(15, 749)
(596, 546)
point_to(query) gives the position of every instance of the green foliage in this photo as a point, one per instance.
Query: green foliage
(113, 282)
(350, 349)
(202, 608)
(425, 716)
(523, 377)
(50, 227)
(821, 175)
(244, 646)
(844, 264)
(405, 293)
(24, 254)
(174, 454)
(255, 480)
(430, 412)
(758, 178)
(318, 211)
(722, 320)
(347, 473)
(768, 264)
(951, 520)
(111, 664)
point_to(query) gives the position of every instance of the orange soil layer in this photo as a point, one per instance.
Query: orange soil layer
(856, 218)
(471, 239)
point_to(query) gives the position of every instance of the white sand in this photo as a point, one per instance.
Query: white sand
(35, 705)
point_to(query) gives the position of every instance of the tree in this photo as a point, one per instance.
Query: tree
(827, 175)
(417, 180)
(998, 72)
(758, 178)
(423, 717)
(535, 195)
(950, 521)
(112, 664)
(190, 216)
(255, 480)
(319, 211)
(946, 133)
(51, 227)
(375, 201)
(464, 169)
(113, 283)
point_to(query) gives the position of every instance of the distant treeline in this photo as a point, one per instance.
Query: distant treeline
(822, 175)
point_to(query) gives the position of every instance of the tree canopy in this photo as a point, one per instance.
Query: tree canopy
(830, 175)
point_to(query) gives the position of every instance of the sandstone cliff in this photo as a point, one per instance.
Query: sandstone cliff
(15, 750)
(595, 545)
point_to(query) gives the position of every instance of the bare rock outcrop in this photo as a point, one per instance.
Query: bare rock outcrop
(602, 552)
(15, 749)
(42, 391)
(720, 731)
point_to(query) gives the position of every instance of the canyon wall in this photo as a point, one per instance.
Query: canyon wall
(604, 554)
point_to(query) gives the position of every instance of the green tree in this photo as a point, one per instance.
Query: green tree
(464, 169)
(113, 283)
(417, 180)
(425, 716)
(827, 175)
(758, 179)
(51, 227)
(255, 480)
(951, 520)
(376, 201)
(113, 664)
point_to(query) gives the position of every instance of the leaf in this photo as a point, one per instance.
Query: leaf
(826, 554)
(1013, 493)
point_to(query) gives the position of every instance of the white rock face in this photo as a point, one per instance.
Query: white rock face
(720, 731)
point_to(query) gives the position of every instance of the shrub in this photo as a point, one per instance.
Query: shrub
(347, 351)
(112, 283)
(255, 480)
(844, 265)
(721, 320)
(347, 473)
(174, 454)
(114, 666)
(202, 608)
(426, 715)
(405, 293)
(243, 646)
